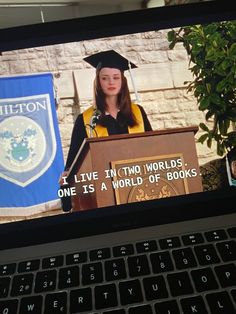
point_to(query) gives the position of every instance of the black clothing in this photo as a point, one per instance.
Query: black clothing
(114, 126)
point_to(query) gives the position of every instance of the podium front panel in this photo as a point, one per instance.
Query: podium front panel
(140, 168)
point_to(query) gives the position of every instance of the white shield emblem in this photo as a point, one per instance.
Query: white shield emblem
(27, 138)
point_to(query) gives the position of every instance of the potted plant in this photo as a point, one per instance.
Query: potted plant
(212, 59)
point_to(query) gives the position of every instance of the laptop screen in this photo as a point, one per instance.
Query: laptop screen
(117, 115)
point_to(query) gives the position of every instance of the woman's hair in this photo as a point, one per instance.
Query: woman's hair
(124, 101)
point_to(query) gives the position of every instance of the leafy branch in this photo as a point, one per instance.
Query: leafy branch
(212, 60)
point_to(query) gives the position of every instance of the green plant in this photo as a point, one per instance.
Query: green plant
(212, 59)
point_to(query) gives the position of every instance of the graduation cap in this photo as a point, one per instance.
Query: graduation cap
(112, 59)
(109, 59)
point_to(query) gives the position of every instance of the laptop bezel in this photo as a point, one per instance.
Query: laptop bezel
(135, 215)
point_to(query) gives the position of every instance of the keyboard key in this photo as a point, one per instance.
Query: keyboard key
(130, 292)
(115, 269)
(76, 258)
(99, 254)
(184, 258)
(147, 246)
(169, 243)
(115, 312)
(161, 262)
(56, 303)
(8, 306)
(216, 235)
(28, 266)
(7, 269)
(140, 309)
(232, 232)
(193, 305)
(155, 288)
(32, 305)
(68, 277)
(81, 300)
(4, 286)
(204, 279)
(52, 262)
(227, 250)
(220, 303)
(123, 250)
(167, 307)
(92, 273)
(45, 281)
(194, 238)
(206, 254)
(138, 266)
(22, 285)
(226, 275)
(179, 284)
(105, 296)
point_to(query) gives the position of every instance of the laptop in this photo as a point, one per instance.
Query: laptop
(165, 255)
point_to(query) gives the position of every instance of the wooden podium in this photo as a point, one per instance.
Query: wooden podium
(135, 167)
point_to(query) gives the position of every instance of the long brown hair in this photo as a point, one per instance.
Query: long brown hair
(124, 100)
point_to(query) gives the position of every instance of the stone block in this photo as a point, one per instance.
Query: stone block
(94, 46)
(187, 105)
(9, 56)
(73, 49)
(152, 96)
(17, 67)
(168, 107)
(150, 108)
(177, 55)
(180, 73)
(39, 65)
(4, 68)
(154, 56)
(84, 83)
(64, 84)
(194, 117)
(175, 124)
(171, 94)
(151, 77)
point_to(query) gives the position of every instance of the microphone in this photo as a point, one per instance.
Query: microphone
(93, 121)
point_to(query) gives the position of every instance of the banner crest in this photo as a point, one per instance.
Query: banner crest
(27, 138)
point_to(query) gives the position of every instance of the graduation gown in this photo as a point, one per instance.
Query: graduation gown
(112, 126)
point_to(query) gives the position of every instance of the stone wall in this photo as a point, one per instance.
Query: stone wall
(159, 79)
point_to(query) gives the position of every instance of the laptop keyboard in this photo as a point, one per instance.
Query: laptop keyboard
(190, 273)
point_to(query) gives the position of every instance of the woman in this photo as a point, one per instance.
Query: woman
(112, 113)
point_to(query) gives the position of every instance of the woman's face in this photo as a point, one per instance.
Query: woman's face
(233, 168)
(110, 81)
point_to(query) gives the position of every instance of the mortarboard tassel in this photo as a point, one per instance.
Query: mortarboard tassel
(133, 84)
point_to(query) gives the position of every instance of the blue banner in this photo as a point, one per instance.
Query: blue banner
(31, 157)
